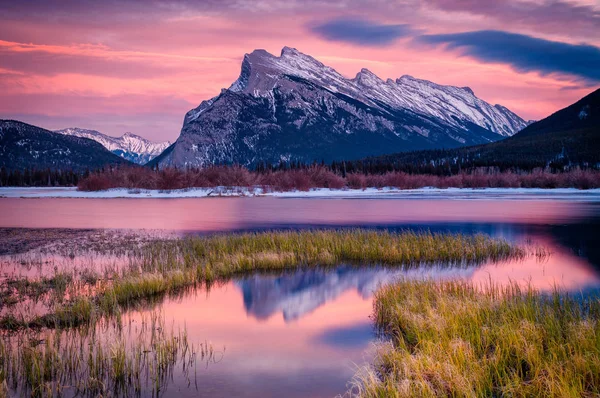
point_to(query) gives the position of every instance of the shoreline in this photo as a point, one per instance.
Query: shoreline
(318, 193)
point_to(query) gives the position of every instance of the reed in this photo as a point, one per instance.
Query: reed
(227, 255)
(98, 361)
(457, 339)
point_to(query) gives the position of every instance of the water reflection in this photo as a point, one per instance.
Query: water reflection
(297, 294)
(269, 357)
(302, 333)
(294, 295)
(227, 214)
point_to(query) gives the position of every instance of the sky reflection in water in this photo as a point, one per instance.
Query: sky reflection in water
(302, 334)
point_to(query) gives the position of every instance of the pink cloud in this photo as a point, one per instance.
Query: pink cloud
(57, 66)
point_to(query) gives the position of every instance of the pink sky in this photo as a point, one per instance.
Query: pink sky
(140, 66)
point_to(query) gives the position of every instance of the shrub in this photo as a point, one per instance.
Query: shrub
(356, 181)
(304, 179)
(96, 182)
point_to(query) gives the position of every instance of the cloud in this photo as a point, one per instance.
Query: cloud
(524, 53)
(361, 32)
(550, 16)
(89, 59)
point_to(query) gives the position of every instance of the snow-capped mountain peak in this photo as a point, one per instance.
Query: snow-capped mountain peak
(367, 78)
(292, 106)
(128, 146)
(262, 71)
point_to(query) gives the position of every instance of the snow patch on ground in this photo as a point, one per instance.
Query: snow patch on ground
(571, 194)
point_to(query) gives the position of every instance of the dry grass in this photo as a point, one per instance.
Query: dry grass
(454, 339)
(169, 266)
(68, 351)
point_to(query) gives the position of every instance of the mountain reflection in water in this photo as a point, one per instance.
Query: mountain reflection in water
(299, 293)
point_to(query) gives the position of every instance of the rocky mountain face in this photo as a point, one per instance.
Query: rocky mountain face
(293, 107)
(26, 146)
(129, 146)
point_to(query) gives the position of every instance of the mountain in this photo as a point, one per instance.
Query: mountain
(584, 114)
(129, 146)
(293, 107)
(25, 146)
(570, 136)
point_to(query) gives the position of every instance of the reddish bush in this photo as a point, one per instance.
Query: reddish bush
(287, 180)
(96, 182)
(582, 179)
(304, 179)
(323, 178)
(170, 178)
(375, 181)
(356, 181)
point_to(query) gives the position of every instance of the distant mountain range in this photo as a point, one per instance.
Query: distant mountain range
(294, 108)
(569, 136)
(26, 146)
(129, 146)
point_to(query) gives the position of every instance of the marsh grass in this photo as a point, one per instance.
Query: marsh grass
(137, 359)
(223, 256)
(35, 288)
(71, 350)
(166, 267)
(456, 339)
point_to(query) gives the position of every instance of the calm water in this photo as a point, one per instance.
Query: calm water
(303, 334)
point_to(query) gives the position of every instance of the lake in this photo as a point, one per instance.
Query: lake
(304, 333)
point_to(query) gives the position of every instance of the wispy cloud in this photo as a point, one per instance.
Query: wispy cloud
(360, 31)
(524, 53)
(550, 16)
(92, 59)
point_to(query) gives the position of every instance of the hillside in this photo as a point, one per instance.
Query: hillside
(25, 146)
(568, 137)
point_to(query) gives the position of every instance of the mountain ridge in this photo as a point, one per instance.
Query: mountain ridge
(129, 146)
(568, 137)
(24, 146)
(278, 103)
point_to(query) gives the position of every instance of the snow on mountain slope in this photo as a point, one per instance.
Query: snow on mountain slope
(128, 146)
(293, 107)
(454, 105)
(23, 146)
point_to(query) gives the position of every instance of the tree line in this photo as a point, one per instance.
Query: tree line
(440, 163)
(40, 178)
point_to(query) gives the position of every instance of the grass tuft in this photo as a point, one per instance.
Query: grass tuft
(455, 339)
